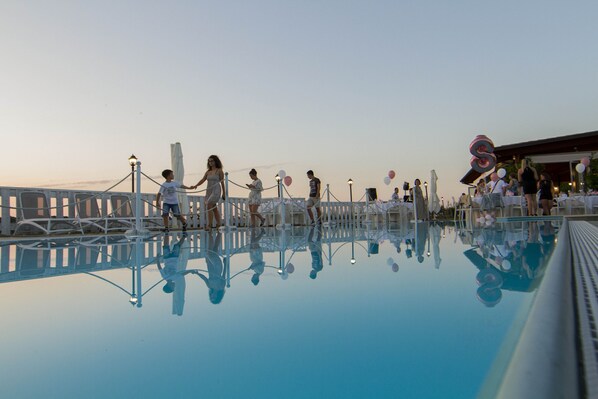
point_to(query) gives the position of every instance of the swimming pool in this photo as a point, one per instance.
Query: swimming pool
(419, 311)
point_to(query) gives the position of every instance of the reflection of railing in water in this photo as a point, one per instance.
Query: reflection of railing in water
(34, 259)
(47, 257)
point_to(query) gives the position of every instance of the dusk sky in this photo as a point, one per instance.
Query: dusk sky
(349, 89)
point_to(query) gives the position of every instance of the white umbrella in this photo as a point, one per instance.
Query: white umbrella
(178, 296)
(434, 202)
(176, 158)
(435, 233)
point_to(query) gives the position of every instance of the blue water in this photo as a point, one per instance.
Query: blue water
(422, 313)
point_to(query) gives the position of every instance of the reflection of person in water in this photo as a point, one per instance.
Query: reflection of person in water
(256, 255)
(174, 277)
(314, 242)
(420, 240)
(216, 280)
(532, 252)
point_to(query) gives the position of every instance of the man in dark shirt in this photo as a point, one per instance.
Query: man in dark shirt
(314, 197)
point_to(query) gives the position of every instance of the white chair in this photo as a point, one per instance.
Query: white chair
(34, 212)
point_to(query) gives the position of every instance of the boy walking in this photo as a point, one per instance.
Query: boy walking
(314, 197)
(170, 199)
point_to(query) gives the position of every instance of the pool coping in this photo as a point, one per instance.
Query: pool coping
(544, 363)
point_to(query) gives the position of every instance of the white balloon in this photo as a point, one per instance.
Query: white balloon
(501, 173)
(387, 180)
(390, 261)
(580, 168)
(282, 174)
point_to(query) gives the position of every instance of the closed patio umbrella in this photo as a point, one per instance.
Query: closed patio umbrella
(176, 158)
(434, 202)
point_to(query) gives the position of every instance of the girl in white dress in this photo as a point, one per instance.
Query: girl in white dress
(255, 198)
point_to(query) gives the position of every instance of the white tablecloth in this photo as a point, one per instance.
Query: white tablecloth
(589, 202)
(507, 200)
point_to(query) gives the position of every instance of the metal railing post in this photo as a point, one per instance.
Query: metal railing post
(226, 203)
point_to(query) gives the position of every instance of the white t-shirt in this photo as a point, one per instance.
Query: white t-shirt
(497, 187)
(168, 192)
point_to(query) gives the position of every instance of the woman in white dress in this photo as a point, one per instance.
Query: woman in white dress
(255, 198)
(215, 190)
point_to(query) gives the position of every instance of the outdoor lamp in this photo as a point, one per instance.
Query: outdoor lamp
(133, 300)
(350, 181)
(132, 162)
(352, 261)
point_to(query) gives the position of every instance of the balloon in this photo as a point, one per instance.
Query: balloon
(290, 268)
(585, 161)
(390, 261)
(282, 173)
(288, 180)
(395, 267)
(387, 180)
(580, 168)
(501, 173)
(391, 174)
(482, 149)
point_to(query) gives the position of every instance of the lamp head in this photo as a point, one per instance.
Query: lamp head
(132, 160)
(277, 178)
(350, 181)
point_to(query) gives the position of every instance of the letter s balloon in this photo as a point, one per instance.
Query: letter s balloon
(482, 149)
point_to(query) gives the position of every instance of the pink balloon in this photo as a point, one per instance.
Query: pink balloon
(288, 180)
(585, 161)
(391, 174)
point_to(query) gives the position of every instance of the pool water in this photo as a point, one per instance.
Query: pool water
(416, 311)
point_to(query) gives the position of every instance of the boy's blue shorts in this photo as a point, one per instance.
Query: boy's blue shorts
(166, 208)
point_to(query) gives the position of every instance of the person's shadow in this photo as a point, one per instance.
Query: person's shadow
(216, 280)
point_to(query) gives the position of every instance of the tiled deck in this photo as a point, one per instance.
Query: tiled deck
(584, 247)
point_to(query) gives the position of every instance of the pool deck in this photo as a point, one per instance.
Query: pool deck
(557, 354)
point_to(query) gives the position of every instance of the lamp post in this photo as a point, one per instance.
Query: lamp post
(350, 182)
(132, 162)
(278, 184)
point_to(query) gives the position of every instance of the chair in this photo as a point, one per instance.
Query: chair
(570, 205)
(297, 212)
(122, 212)
(32, 261)
(34, 212)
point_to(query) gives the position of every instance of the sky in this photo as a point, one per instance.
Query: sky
(349, 89)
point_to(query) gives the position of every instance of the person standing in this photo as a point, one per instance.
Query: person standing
(215, 190)
(546, 188)
(528, 178)
(314, 197)
(395, 195)
(421, 212)
(255, 198)
(168, 195)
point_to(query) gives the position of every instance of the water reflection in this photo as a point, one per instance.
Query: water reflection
(509, 257)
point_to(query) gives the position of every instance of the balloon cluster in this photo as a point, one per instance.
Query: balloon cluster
(287, 180)
(391, 175)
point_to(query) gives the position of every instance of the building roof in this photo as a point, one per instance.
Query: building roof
(581, 143)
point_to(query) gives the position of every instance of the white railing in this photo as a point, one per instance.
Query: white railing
(62, 204)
